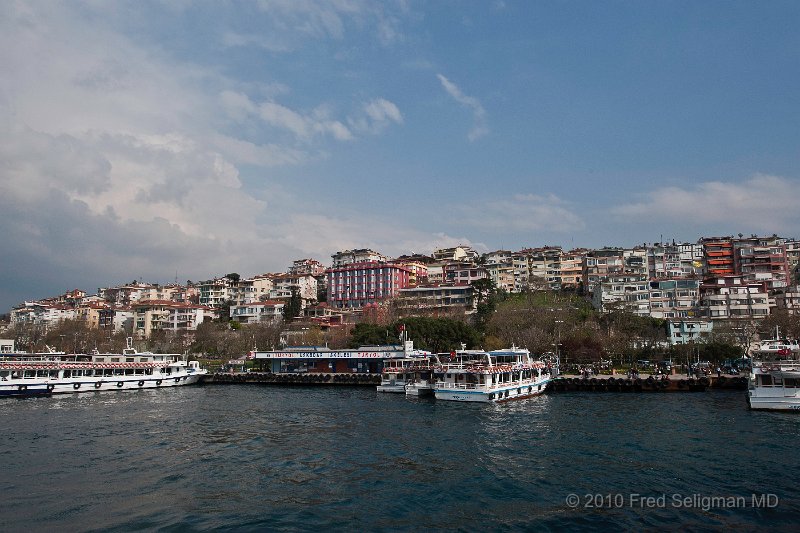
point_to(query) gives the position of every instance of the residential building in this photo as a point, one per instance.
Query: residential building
(258, 311)
(463, 273)
(436, 299)
(307, 266)
(215, 292)
(152, 315)
(718, 256)
(361, 255)
(599, 264)
(456, 253)
(788, 300)
(731, 298)
(353, 286)
(252, 289)
(687, 331)
(762, 260)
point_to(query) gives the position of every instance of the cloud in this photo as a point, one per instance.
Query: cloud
(479, 128)
(376, 116)
(762, 203)
(522, 213)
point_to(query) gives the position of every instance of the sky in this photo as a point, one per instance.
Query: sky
(164, 140)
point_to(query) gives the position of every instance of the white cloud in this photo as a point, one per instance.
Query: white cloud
(479, 128)
(523, 213)
(376, 116)
(764, 203)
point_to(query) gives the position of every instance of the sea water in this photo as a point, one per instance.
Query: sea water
(250, 457)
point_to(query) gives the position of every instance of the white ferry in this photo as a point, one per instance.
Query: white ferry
(399, 373)
(775, 377)
(48, 373)
(496, 376)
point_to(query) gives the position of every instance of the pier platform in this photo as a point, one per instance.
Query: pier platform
(316, 378)
(646, 383)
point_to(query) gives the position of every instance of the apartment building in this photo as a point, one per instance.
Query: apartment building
(435, 300)
(462, 273)
(42, 314)
(252, 289)
(256, 312)
(718, 256)
(152, 315)
(730, 297)
(456, 253)
(361, 255)
(215, 292)
(762, 260)
(353, 286)
(687, 331)
(599, 264)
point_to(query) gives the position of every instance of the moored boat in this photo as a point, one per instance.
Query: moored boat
(496, 376)
(56, 372)
(775, 377)
(398, 373)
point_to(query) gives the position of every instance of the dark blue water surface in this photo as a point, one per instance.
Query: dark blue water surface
(250, 457)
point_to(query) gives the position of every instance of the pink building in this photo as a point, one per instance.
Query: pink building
(355, 285)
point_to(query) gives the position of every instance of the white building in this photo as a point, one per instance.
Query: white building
(253, 313)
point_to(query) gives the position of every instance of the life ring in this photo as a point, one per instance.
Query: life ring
(177, 380)
(76, 386)
(141, 382)
(98, 384)
(158, 382)
(50, 386)
(120, 384)
(22, 387)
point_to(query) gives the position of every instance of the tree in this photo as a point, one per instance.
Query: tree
(293, 307)
(233, 277)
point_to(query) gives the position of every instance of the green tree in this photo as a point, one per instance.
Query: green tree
(293, 307)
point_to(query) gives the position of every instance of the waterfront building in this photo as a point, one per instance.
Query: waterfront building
(353, 286)
(730, 297)
(7, 346)
(90, 314)
(322, 360)
(117, 319)
(688, 331)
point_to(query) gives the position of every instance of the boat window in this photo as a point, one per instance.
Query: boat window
(100, 359)
(143, 359)
(129, 359)
(790, 383)
(115, 359)
(766, 380)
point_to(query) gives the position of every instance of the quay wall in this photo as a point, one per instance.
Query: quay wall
(315, 378)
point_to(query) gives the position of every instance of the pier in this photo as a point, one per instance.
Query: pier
(646, 383)
(294, 378)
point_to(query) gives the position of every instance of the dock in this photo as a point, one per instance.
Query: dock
(315, 378)
(646, 383)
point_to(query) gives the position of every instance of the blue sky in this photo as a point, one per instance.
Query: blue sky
(145, 140)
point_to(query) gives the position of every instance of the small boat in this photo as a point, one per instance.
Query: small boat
(423, 377)
(775, 378)
(496, 376)
(42, 374)
(398, 372)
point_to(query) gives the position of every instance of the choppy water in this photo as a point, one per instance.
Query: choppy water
(248, 457)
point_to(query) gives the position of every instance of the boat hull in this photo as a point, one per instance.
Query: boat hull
(35, 387)
(498, 395)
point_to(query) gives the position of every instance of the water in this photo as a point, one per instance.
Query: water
(249, 457)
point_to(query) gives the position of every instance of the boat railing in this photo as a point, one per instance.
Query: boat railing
(769, 366)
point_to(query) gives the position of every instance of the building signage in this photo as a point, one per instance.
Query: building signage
(329, 355)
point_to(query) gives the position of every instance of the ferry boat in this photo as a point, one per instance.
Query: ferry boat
(43, 374)
(496, 376)
(775, 378)
(401, 374)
